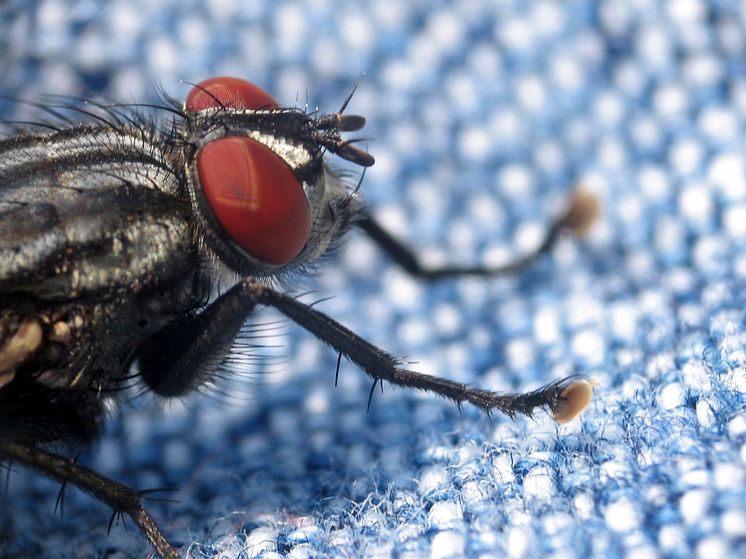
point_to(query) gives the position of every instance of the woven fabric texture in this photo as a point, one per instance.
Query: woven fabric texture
(482, 116)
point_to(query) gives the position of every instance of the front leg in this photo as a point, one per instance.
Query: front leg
(565, 398)
(186, 353)
(580, 213)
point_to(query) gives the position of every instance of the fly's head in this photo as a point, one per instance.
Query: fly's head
(259, 186)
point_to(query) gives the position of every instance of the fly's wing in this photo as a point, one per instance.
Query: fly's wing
(86, 213)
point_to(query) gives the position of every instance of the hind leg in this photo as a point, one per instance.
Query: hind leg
(119, 497)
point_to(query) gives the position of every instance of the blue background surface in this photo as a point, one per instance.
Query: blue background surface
(482, 117)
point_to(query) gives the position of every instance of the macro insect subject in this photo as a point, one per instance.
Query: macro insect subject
(132, 252)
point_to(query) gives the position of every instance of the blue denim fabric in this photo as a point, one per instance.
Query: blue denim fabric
(482, 116)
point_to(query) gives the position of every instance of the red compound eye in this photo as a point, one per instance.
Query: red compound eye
(256, 198)
(233, 93)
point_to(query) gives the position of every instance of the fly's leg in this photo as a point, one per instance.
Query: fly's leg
(581, 212)
(118, 496)
(566, 398)
(185, 354)
(205, 334)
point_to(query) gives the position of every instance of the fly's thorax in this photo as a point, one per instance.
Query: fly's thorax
(90, 211)
(86, 158)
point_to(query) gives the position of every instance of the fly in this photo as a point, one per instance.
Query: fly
(116, 235)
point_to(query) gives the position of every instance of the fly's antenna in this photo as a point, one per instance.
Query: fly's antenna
(328, 127)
